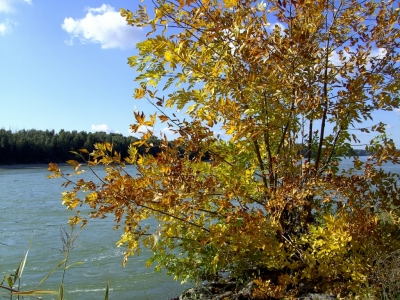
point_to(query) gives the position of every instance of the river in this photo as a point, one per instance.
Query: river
(31, 207)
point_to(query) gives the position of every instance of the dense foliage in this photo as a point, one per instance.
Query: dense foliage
(37, 146)
(272, 202)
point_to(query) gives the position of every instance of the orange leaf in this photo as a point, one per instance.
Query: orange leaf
(163, 118)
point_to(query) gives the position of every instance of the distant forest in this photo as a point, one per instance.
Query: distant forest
(38, 146)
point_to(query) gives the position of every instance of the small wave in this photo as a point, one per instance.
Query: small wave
(89, 290)
(109, 254)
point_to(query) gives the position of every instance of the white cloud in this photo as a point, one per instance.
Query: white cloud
(143, 129)
(8, 6)
(334, 58)
(102, 25)
(102, 127)
(378, 53)
(169, 132)
(6, 27)
(397, 110)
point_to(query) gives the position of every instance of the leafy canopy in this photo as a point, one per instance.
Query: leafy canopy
(290, 83)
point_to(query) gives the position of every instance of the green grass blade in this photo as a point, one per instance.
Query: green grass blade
(55, 269)
(106, 297)
(21, 266)
(75, 263)
(61, 292)
(35, 292)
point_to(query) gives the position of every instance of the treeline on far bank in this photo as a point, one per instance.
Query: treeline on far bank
(38, 146)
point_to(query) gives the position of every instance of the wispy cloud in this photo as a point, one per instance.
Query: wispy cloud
(8, 7)
(102, 25)
(334, 58)
(102, 127)
(169, 132)
(376, 55)
(6, 26)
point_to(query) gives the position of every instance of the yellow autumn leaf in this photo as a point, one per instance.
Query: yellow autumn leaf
(168, 56)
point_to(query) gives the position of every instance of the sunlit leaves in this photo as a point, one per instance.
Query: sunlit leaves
(139, 93)
(269, 88)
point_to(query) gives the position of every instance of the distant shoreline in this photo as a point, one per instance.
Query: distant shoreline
(25, 166)
(29, 166)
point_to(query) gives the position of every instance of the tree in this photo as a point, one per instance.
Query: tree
(287, 81)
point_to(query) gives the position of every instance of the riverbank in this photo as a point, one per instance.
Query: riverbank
(230, 290)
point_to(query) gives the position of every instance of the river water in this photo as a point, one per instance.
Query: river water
(31, 208)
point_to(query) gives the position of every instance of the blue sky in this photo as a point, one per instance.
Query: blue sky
(63, 65)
